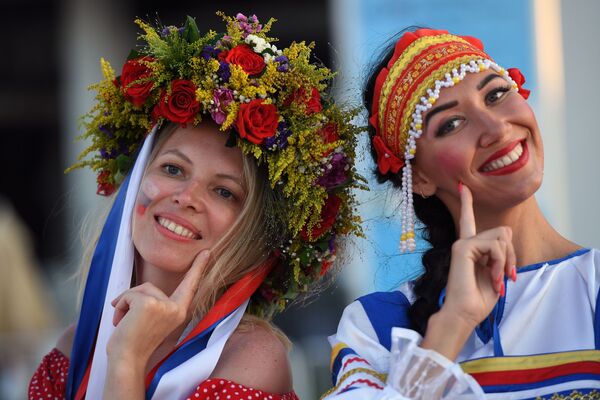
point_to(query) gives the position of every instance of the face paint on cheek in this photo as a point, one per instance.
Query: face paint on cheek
(147, 193)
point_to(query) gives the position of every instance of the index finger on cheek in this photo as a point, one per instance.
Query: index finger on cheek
(466, 226)
(189, 284)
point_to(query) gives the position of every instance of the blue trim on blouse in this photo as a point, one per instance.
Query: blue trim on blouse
(533, 267)
(385, 311)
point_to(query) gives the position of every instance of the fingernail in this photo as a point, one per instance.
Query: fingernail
(460, 184)
(502, 290)
(513, 274)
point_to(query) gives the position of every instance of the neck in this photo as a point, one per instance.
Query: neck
(534, 239)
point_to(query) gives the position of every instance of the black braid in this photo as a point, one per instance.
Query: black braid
(439, 228)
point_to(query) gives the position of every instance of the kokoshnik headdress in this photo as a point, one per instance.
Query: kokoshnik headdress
(273, 105)
(423, 63)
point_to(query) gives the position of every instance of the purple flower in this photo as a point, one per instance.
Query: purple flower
(109, 134)
(224, 72)
(209, 52)
(166, 31)
(278, 141)
(221, 99)
(284, 65)
(248, 25)
(332, 243)
(335, 171)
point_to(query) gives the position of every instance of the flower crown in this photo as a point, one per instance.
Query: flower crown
(274, 107)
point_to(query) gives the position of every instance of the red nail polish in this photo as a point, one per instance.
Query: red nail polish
(460, 187)
(502, 290)
(513, 274)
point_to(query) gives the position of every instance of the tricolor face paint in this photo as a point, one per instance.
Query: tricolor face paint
(148, 191)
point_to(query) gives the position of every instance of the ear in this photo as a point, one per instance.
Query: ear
(422, 185)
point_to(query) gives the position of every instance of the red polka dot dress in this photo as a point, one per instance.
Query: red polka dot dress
(50, 380)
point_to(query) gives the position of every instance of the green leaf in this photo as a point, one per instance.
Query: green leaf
(134, 54)
(124, 163)
(190, 30)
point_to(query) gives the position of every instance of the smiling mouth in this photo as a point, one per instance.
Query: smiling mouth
(508, 162)
(177, 229)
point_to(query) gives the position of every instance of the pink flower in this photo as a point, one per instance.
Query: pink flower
(221, 98)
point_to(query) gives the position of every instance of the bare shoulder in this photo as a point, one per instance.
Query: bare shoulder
(65, 341)
(255, 356)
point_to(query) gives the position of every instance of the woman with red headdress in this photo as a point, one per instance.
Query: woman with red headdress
(507, 307)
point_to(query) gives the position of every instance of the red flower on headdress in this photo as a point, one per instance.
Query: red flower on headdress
(311, 100)
(325, 265)
(386, 160)
(329, 213)
(257, 121)
(519, 79)
(181, 105)
(136, 70)
(245, 57)
(105, 187)
(329, 133)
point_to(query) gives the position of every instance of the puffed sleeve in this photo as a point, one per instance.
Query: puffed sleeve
(216, 388)
(49, 380)
(377, 357)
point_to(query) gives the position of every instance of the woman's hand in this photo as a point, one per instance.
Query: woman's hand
(475, 281)
(145, 316)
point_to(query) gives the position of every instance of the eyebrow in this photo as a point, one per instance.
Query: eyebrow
(487, 80)
(179, 154)
(233, 178)
(451, 104)
(438, 109)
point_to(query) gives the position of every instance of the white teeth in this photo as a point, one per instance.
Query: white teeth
(176, 228)
(505, 160)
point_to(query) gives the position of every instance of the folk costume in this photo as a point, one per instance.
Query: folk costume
(539, 342)
(272, 104)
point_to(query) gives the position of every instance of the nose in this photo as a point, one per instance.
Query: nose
(493, 127)
(190, 195)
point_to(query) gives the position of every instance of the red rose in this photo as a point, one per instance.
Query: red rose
(325, 265)
(257, 121)
(222, 56)
(313, 103)
(245, 57)
(519, 79)
(105, 187)
(181, 106)
(328, 215)
(134, 83)
(329, 133)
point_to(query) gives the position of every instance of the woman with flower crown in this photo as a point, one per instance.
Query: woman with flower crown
(507, 308)
(234, 171)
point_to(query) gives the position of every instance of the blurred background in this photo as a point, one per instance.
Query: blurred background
(53, 54)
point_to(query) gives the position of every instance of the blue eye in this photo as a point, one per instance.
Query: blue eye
(171, 169)
(224, 193)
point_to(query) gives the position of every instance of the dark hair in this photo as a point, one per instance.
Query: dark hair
(438, 229)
